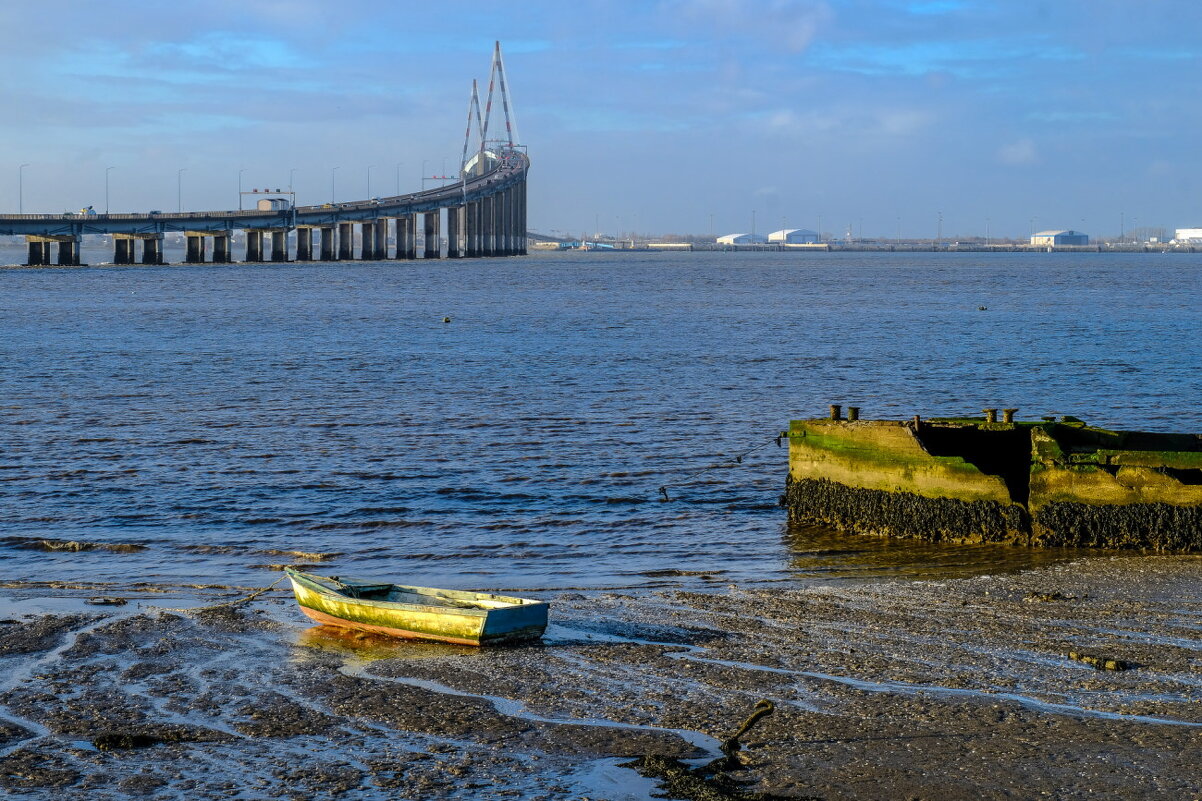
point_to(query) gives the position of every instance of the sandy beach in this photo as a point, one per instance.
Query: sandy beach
(947, 689)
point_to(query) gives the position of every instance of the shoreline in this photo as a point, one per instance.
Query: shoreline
(896, 688)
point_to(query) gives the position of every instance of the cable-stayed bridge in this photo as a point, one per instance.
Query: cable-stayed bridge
(481, 214)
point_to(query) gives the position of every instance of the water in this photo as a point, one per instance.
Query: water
(221, 417)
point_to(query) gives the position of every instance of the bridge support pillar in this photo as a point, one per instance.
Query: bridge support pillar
(38, 253)
(123, 251)
(221, 248)
(346, 241)
(487, 217)
(406, 237)
(254, 246)
(523, 247)
(455, 232)
(503, 223)
(196, 249)
(433, 248)
(367, 241)
(68, 251)
(471, 233)
(381, 248)
(329, 243)
(152, 250)
(279, 245)
(304, 244)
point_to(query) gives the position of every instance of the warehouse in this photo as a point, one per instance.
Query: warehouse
(793, 236)
(1060, 238)
(742, 239)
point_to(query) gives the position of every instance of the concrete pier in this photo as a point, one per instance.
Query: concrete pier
(304, 244)
(40, 253)
(381, 248)
(433, 249)
(195, 253)
(329, 243)
(123, 250)
(221, 248)
(472, 229)
(367, 241)
(346, 241)
(279, 245)
(152, 249)
(455, 232)
(488, 209)
(254, 246)
(406, 237)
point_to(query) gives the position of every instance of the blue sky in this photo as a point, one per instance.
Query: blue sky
(652, 116)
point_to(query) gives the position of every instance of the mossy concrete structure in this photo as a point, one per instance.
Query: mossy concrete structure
(1049, 483)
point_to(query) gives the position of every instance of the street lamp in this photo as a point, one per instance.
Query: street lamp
(179, 189)
(398, 177)
(240, 187)
(291, 172)
(423, 173)
(21, 189)
(369, 166)
(333, 195)
(107, 170)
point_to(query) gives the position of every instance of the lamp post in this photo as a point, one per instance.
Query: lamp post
(398, 177)
(369, 166)
(179, 189)
(333, 194)
(21, 189)
(423, 173)
(291, 172)
(240, 188)
(107, 170)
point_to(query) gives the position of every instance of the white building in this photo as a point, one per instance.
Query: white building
(742, 239)
(1189, 236)
(793, 236)
(1060, 238)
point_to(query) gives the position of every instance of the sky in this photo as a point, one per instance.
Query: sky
(888, 117)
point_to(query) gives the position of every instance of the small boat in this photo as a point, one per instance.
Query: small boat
(425, 613)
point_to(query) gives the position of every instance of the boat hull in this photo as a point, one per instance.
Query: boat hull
(446, 617)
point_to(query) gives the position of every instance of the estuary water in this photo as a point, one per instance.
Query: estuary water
(204, 424)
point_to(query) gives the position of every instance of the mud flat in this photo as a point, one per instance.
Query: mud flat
(959, 688)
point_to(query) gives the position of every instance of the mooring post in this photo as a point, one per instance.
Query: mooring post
(836, 411)
(1008, 415)
(853, 413)
(990, 415)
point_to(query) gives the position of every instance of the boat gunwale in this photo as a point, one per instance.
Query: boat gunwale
(307, 580)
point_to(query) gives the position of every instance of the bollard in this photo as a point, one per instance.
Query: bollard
(853, 413)
(836, 411)
(1008, 415)
(917, 421)
(990, 415)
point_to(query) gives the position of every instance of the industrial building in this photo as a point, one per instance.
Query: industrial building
(794, 236)
(742, 239)
(1060, 238)
(1189, 236)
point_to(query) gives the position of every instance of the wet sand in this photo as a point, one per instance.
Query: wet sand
(933, 689)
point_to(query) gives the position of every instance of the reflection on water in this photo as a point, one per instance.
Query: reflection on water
(821, 552)
(368, 646)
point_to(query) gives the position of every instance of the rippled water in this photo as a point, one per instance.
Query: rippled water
(220, 417)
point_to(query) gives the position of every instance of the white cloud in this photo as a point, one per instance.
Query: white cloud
(1022, 151)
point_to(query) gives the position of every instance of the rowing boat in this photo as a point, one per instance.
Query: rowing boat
(426, 613)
